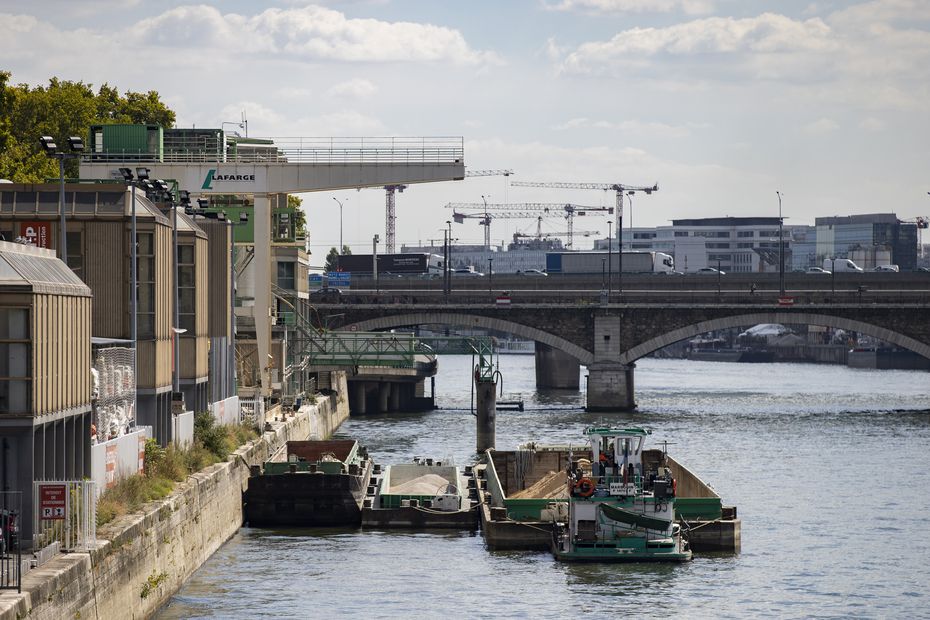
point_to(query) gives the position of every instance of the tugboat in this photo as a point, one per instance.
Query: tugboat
(621, 506)
(309, 484)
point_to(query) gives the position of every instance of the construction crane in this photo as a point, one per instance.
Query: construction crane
(620, 189)
(523, 210)
(390, 205)
(488, 173)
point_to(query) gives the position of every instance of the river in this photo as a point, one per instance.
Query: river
(827, 465)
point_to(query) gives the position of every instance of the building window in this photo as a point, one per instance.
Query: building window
(15, 361)
(744, 233)
(743, 245)
(717, 246)
(286, 276)
(187, 288)
(145, 257)
(681, 233)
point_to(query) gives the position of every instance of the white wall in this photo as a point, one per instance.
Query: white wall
(118, 458)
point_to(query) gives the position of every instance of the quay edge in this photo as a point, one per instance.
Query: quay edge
(146, 557)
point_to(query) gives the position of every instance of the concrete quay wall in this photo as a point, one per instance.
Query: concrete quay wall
(144, 558)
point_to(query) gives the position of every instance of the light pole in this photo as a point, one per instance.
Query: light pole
(610, 243)
(630, 196)
(781, 248)
(339, 202)
(374, 261)
(833, 278)
(76, 145)
(490, 278)
(449, 258)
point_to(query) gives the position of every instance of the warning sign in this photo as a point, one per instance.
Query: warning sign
(52, 501)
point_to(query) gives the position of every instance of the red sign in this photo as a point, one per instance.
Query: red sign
(786, 301)
(37, 233)
(52, 501)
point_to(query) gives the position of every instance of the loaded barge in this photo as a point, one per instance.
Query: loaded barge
(527, 491)
(423, 494)
(309, 484)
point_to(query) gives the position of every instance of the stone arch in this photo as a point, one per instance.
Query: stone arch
(800, 318)
(473, 320)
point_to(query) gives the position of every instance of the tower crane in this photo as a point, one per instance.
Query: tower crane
(390, 205)
(619, 188)
(527, 209)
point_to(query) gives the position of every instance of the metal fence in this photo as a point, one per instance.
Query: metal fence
(298, 150)
(65, 511)
(11, 561)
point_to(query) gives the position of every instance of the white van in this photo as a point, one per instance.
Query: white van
(840, 265)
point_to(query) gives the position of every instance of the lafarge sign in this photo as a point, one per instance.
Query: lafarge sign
(214, 175)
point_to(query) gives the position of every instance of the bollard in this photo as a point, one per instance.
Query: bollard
(486, 400)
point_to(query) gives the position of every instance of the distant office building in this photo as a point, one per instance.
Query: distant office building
(873, 237)
(734, 244)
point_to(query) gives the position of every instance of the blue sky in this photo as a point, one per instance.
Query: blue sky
(721, 102)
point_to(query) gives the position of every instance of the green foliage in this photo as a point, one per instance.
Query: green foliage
(166, 466)
(332, 259)
(152, 583)
(62, 109)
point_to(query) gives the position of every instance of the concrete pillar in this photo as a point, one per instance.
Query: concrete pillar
(486, 411)
(610, 387)
(384, 393)
(556, 369)
(361, 407)
(263, 278)
(395, 396)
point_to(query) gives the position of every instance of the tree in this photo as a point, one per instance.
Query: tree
(300, 218)
(332, 259)
(60, 110)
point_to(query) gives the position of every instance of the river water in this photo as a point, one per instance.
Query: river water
(827, 465)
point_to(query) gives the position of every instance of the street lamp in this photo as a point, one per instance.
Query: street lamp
(339, 202)
(630, 196)
(781, 248)
(374, 261)
(490, 278)
(449, 258)
(833, 278)
(76, 145)
(609, 265)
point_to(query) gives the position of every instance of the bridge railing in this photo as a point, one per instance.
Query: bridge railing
(366, 349)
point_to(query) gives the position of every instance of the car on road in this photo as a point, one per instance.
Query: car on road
(326, 295)
(818, 270)
(467, 272)
(923, 269)
(710, 271)
(887, 268)
(533, 273)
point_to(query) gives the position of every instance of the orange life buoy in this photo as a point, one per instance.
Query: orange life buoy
(584, 487)
(674, 487)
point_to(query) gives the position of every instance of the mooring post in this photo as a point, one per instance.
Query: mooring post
(486, 401)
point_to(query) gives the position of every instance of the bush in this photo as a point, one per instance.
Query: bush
(165, 466)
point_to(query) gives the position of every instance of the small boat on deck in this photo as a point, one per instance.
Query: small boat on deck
(621, 507)
(309, 484)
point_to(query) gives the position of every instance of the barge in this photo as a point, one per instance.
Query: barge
(423, 494)
(525, 493)
(309, 484)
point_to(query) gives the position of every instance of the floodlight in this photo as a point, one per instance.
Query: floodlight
(221, 216)
(203, 203)
(127, 174)
(243, 217)
(142, 173)
(76, 144)
(48, 144)
(184, 197)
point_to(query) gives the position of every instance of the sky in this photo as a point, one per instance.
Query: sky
(720, 102)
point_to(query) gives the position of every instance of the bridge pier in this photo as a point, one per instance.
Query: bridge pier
(360, 404)
(384, 394)
(556, 369)
(610, 387)
(485, 410)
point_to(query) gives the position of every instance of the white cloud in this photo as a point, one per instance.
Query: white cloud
(821, 126)
(309, 33)
(872, 124)
(649, 128)
(356, 89)
(690, 7)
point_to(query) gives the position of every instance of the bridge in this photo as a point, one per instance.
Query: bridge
(608, 338)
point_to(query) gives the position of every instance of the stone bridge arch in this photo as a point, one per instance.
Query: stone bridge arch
(794, 318)
(464, 319)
